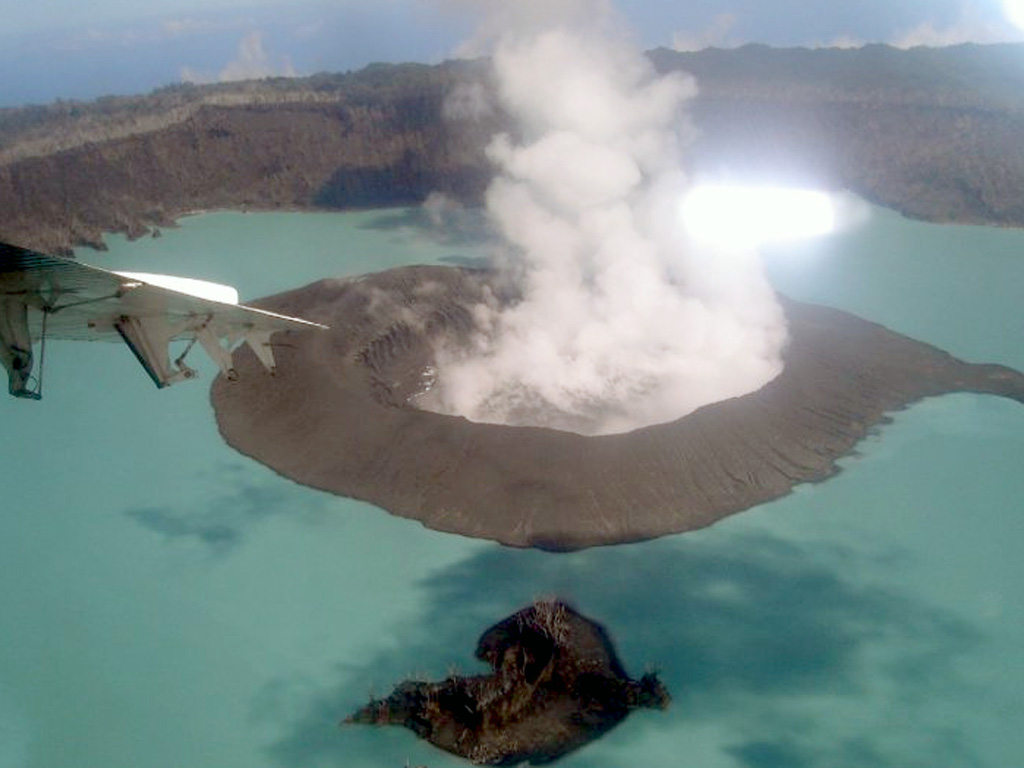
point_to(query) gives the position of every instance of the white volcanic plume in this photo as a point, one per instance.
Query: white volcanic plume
(623, 322)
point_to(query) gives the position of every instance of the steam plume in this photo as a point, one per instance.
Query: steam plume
(622, 321)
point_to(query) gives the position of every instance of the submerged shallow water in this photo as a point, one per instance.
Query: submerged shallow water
(167, 602)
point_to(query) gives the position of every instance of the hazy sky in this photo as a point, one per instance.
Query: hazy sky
(73, 49)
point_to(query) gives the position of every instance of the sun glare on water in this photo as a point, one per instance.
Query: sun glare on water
(738, 216)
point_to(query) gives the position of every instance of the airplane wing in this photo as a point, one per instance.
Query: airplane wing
(49, 297)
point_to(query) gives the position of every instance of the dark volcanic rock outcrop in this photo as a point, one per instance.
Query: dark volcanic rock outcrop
(556, 684)
(337, 417)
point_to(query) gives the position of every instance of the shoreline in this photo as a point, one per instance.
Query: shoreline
(335, 418)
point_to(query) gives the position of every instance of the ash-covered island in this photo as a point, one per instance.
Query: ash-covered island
(341, 416)
(620, 375)
(556, 684)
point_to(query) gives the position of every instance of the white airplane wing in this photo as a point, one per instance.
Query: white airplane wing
(48, 297)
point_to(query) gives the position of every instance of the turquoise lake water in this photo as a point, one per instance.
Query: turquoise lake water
(166, 602)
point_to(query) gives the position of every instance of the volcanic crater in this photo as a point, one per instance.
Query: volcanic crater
(341, 416)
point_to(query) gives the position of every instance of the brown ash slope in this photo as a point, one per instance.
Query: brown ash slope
(556, 684)
(70, 172)
(933, 133)
(337, 417)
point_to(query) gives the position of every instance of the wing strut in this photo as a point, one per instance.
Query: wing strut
(149, 339)
(42, 356)
(16, 347)
(217, 351)
(259, 343)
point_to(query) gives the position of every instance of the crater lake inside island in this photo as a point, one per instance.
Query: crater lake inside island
(169, 602)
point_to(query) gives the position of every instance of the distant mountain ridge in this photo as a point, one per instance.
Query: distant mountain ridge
(933, 133)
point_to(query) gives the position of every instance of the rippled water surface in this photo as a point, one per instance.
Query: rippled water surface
(166, 602)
